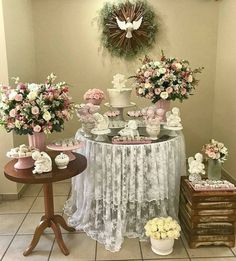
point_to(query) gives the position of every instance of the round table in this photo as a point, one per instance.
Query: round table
(124, 186)
(49, 219)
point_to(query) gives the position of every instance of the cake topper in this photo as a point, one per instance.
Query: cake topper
(119, 81)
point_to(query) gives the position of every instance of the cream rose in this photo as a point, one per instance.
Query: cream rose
(190, 78)
(12, 95)
(32, 96)
(47, 116)
(164, 95)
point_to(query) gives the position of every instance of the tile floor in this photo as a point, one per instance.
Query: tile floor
(19, 218)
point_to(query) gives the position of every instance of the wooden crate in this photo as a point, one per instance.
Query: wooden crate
(207, 217)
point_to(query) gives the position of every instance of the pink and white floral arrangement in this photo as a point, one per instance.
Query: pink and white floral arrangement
(215, 150)
(85, 112)
(152, 115)
(94, 94)
(167, 79)
(30, 107)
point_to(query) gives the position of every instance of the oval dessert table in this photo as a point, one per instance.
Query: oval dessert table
(49, 219)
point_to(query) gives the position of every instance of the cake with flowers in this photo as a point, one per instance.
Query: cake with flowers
(119, 95)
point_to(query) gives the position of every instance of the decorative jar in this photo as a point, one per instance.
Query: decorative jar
(165, 105)
(162, 246)
(214, 169)
(153, 131)
(62, 160)
(37, 140)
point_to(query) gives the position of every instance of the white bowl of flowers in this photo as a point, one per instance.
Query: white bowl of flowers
(162, 232)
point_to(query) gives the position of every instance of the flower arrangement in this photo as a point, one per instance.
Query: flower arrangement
(215, 150)
(94, 94)
(85, 112)
(163, 228)
(31, 107)
(152, 115)
(167, 79)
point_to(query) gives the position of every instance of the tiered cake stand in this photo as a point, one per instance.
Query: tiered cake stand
(172, 130)
(24, 162)
(65, 149)
(120, 117)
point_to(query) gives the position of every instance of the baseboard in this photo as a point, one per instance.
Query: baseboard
(228, 177)
(14, 196)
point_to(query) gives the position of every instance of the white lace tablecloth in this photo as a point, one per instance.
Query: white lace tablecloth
(123, 187)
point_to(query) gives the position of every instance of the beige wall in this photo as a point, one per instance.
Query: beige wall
(20, 43)
(6, 186)
(224, 120)
(67, 42)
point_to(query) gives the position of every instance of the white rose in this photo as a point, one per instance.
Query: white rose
(147, 85)
(32, 95)
(164, 95)
(162, 70)
(178, 66)
(33, 87)
(190, 78)
(47, 116)
(12, 95)
(156, 63)
(17, 124)
(140, 90)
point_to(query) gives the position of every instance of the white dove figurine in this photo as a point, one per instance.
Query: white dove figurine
(128, 26)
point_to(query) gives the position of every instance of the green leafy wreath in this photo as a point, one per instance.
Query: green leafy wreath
(115, 39)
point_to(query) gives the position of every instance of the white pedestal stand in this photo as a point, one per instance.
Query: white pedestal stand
(120, 117)
(101, 134)
(172, 130)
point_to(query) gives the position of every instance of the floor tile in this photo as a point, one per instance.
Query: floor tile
(31, 222)
(166, 258)
(4, 243)
(59, 202)
(129, 250)
(81, 247)
(33, 190)
(207, 251)
(20, 243)
(9, 223)
(178, 252)
(59, 189)
(214, 259)
(21, 205)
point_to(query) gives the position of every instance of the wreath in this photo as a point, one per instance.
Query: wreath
(128, 29)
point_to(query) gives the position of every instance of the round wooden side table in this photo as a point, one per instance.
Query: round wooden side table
(49, 219)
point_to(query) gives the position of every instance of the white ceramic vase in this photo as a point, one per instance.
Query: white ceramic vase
(162, 246)
(153, 131)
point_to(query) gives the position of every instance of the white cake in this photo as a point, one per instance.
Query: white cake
(119, 97)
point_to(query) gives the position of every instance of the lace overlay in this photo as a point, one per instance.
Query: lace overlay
(123, 187)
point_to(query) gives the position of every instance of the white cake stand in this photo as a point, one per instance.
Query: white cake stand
(120, 109)
(172, 130)
(101, 134)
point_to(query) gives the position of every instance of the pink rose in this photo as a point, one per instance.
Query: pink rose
(169, 89)
(183, 91)
(37, 128)
(96, 96)
(10, 125)
(147, 74)
(12, 113)
(19, 97)
(157, 91)
(35, 110)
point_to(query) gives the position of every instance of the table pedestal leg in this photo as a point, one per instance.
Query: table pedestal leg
(49, 220)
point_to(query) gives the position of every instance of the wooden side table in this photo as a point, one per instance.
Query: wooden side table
(49, 219)
(207, 217)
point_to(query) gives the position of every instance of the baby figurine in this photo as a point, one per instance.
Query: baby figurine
(196, 167)
(130, 130)
(173, 118)
(101, 121)
(43, 162)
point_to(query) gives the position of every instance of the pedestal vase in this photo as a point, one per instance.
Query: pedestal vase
(165, 105)
(37, 140)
